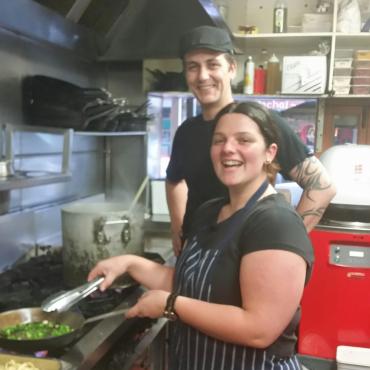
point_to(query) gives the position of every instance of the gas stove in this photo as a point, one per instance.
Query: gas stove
(28, 284)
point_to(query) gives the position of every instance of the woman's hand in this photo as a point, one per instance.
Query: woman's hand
(111, 269)
(151, 304)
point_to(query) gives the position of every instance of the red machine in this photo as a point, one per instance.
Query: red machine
(336, 302)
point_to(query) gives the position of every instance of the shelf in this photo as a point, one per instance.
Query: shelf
(353, 40)
(350, 96)
(280, 40)
(102, 133)
(25, 179)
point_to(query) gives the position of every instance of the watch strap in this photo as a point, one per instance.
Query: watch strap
(169, 311)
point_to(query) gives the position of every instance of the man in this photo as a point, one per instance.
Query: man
(209, 67)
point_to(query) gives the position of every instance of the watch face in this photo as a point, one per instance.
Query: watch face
(170, 315)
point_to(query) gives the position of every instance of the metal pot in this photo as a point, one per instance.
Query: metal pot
(6, 168)
(95, 231)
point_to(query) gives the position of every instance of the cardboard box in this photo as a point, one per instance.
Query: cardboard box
(343, 62)
(341, 90)
(304, 74)
(317, 22)
(361, 89)
(361, 80)
(362, 55)
(361, 72)
(341, 81)
(345, 72)
(361, 63)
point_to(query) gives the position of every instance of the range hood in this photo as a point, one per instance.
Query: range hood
(110, 30)
(151, 29)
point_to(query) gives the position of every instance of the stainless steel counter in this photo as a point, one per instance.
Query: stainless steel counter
(97, 342)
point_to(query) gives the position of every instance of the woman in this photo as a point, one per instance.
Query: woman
(237, 284)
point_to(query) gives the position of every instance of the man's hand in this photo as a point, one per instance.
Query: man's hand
(177, 195)
(176, 242)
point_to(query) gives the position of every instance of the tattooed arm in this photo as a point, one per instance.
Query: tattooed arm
(318, 190)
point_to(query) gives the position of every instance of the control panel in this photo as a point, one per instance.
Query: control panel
(349, 255)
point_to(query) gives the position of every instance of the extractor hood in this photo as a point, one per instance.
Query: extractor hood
(151, 29)
(110, 30)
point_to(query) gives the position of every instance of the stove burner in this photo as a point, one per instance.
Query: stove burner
(29, 283)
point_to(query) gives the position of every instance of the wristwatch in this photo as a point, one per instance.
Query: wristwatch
(169, 311)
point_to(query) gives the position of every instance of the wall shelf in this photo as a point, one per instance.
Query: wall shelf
(103, 133)
(280, 40)
(23, 178)
(263, 44)
(26, 179)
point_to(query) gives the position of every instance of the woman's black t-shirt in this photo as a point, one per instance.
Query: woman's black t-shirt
(208, 269)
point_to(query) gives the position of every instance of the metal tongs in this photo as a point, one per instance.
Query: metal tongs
(62, 301)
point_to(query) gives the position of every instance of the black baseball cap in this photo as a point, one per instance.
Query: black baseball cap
(206, 37)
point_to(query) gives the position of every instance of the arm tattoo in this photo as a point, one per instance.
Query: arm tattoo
(309, 177)
(313, 212)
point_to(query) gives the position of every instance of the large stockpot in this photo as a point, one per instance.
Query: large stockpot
(95, 231)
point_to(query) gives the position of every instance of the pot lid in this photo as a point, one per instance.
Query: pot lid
(347, 214)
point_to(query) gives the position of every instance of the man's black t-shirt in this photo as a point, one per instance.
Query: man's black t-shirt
(191, 161)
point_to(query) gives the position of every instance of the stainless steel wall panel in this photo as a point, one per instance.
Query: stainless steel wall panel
(29, 216)
(82, 143)
(48, 224)
(87, 174)
(38, 143)
(17, 236)
(23, 233)
(125, 79)
(128, 167)
(20, 58)
(36, 22)
(41, 162)
(43, 195)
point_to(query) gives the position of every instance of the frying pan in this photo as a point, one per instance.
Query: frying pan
(35, 314)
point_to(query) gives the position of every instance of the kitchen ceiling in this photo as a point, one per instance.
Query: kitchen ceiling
(136, 29)
(97, 15)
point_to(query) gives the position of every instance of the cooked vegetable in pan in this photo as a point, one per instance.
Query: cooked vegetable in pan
(35, 330)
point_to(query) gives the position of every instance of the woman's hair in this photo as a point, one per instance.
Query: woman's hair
(262, 117)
